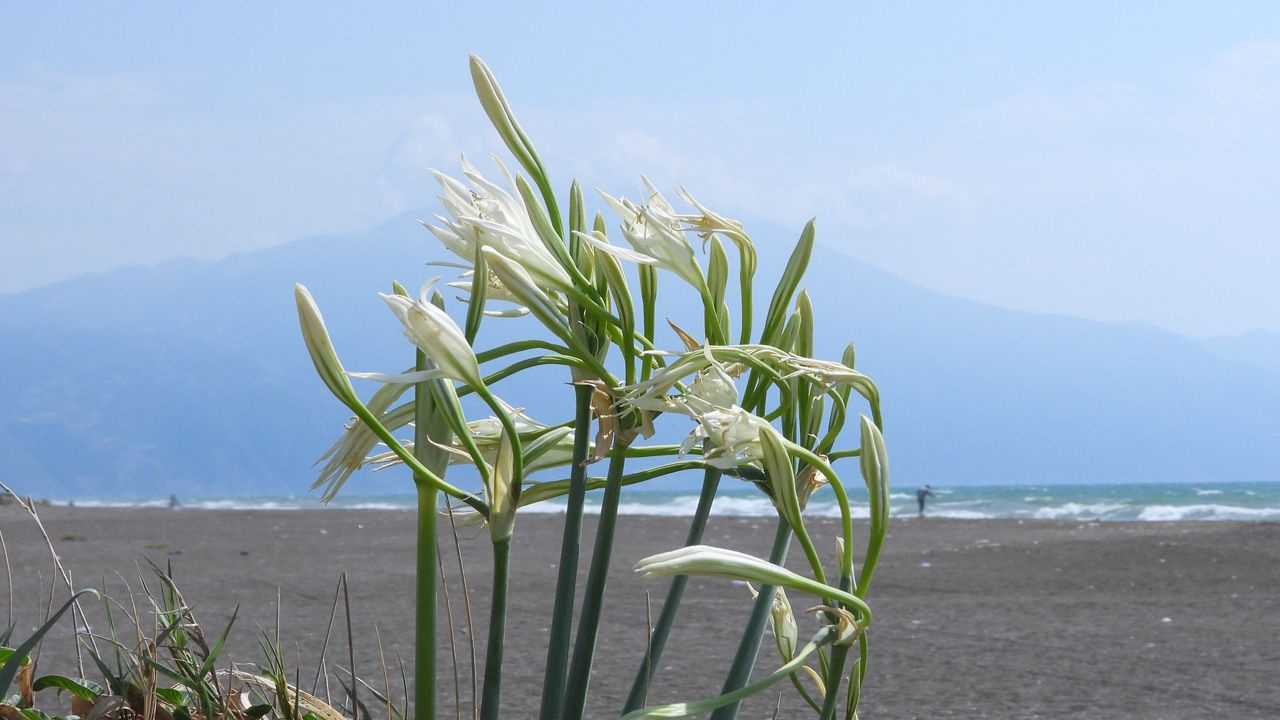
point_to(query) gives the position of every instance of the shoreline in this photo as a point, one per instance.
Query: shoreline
(1000, 618)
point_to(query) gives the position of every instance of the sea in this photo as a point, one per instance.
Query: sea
(1139, 501)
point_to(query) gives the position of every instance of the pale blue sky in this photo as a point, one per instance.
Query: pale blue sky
(1119, 163)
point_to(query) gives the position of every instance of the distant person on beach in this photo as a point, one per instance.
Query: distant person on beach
(921, 494)
(173, 501)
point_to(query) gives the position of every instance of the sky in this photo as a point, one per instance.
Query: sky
(1117, 161)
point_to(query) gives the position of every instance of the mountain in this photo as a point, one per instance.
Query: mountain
(1260, 348)
(190, 377)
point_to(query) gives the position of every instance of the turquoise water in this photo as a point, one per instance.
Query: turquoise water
(1146, 501)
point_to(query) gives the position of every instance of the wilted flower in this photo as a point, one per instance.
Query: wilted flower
(489, 216)
(437, 335)
(350, 452)
(809, 481)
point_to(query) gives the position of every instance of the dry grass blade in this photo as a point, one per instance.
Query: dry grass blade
(81, 621)
(351, 644)
(324, 647)
(648, 656)
(8, 573)
(453, 645)
(307, 702)
(48, 610)
(386, 678)
(466, 603)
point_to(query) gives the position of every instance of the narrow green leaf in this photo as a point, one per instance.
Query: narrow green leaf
(216, 650)
(18, 657)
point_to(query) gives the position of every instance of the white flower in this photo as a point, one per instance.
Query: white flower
(707, 222)
(437, 335)
(730, 437)
(489, 216)
(654, 231)
(714, 387)
(486, 433)
(494, 290)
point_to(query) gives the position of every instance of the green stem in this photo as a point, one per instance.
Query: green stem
(424, 636)
(593, 596)
(745, 659)
(430, 427)
(835, 674)
(553, 680)
(671, 605)
(519, 346)
(491, 695)
(822, 637)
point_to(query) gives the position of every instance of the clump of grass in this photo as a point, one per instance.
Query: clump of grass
(153, 660)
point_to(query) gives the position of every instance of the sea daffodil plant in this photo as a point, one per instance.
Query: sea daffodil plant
(762, 410)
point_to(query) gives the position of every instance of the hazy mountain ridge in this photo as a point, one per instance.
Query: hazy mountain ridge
(190, 376)
(1260, 348)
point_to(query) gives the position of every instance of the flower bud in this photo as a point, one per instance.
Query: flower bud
(325, 358)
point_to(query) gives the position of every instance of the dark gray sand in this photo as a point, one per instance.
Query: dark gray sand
(974, 619)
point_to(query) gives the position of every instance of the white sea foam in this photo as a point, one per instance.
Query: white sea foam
(1078, 510)
(115, 503)
(955, 514)
(1208, 512)
(1079, 502)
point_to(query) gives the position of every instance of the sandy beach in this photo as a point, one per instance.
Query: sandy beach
(974, 619)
